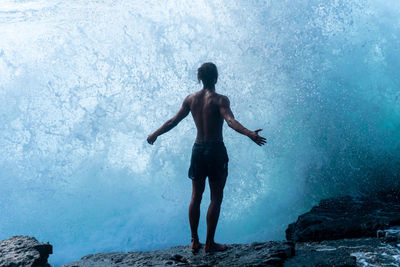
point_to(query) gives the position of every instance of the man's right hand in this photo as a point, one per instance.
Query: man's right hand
(259, 140)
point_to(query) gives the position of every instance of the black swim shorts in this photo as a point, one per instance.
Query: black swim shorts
(208, 159)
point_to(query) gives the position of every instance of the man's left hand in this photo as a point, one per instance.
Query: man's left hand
(151, 139)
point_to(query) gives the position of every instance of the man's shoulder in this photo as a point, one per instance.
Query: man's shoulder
(189, 97)
(222, 99)
(193, 95)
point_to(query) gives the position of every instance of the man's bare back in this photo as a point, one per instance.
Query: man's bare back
(205, 109)
(209, 156)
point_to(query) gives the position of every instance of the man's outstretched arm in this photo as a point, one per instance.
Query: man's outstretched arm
(227, 114)
(171, 123)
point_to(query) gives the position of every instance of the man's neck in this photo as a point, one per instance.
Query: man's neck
(209, 87)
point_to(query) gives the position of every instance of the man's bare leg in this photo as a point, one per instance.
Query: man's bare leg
(217, 191)
(194, 211)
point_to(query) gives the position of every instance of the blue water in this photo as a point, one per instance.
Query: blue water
(82, 84)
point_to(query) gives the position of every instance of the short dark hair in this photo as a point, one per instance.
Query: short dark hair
(207, 73)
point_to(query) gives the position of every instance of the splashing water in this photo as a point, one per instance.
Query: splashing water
(82, 83)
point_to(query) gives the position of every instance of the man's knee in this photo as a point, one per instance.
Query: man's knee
(196, 197)
(216, 200)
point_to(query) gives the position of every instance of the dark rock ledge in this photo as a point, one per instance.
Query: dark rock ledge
(24, 251)
(272, 253)
(347, 217)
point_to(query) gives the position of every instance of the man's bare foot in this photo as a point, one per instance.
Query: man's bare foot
(195, 245)
(215, 247)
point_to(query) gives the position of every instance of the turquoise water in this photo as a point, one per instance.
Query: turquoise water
(82, 84)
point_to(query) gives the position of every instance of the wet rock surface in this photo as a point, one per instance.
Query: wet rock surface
(272, 253)
(347, 217)
(345, 253)
(355, 252)
(391, 235)
(24, 251)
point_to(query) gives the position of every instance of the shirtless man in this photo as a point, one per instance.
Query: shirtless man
(209, 156)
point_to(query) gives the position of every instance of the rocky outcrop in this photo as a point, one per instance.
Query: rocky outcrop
(24, 251)
(272, 253)
(347, 217)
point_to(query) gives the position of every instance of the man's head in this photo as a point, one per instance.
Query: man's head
(208, 74)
